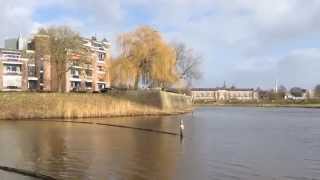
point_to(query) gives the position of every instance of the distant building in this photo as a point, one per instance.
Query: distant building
(10, 43)
(223, 94)
(306, 94)
(312, 94)
(19, 43)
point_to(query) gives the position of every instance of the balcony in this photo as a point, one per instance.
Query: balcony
(33, 78)
(89, 78)
(88, 67)
(12, 82)
(12, 73)
(11, 58)
(12, 61)
(75, 76)
(101, 72)
(101, 62)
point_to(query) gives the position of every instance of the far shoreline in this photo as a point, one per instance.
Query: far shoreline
(307, 106)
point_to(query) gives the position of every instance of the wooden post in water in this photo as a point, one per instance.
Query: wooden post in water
(181, 129)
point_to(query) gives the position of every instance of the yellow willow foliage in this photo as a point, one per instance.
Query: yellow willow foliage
(164, 66)
(122, 73)
(144, 51)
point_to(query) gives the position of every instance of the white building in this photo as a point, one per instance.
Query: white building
(223, 94)
(19, 43)
(12, 67)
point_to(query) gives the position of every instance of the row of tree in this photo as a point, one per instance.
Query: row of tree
(145, 58)
(282, 92)
(317, 91)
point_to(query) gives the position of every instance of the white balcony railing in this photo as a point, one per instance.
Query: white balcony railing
(101, 72)
(12, 73)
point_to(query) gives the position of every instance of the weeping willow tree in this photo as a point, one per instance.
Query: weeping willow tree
(146, 58)
(122, 73)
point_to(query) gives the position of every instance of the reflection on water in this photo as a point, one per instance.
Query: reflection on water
(220, 143)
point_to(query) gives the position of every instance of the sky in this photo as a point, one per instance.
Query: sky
(245, 43)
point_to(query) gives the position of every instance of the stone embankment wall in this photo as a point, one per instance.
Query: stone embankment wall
(75, 105)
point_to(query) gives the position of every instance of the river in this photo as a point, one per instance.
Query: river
(223, 143)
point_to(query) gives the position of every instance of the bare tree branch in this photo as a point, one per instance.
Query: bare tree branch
(66, 48)
(188, 63)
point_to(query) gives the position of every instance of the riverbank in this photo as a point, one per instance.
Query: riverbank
(16, 106)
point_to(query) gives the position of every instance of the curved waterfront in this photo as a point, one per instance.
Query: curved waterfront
(221, 143)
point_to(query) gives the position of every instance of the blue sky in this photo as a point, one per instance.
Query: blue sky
(247, 43)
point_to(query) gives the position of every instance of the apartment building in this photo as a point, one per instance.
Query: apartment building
(16, 71)
(33, 69)
(96, 75)
(223, 94)
(12, 67)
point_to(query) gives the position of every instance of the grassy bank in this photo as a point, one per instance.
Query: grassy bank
(74, 105)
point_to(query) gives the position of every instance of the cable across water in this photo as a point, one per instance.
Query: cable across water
(26, 173)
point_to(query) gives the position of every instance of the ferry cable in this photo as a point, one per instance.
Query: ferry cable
(27, 173)
(120, 126)
(140, 129)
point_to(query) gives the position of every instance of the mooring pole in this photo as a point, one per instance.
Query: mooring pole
(181, 129)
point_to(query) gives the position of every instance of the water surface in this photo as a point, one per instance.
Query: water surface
(221, 143)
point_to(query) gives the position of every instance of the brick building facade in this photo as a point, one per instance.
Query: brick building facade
(33, 69)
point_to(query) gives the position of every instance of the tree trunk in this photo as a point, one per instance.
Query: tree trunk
(59, 83)
(136, 81)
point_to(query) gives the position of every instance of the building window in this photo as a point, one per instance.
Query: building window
(75, 73)
(12, 68)
(75, 86)
(89, 73)
(12, 56)
(101, 56)
(31, 71)
(41, 78)
(101, 86)
(32, 85)
(88, 84)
